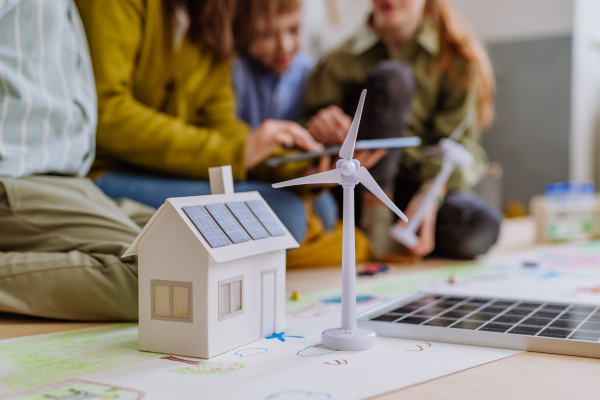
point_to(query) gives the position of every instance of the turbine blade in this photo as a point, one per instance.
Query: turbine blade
(347, 150)
(463, 126)
(333, 176)
(367, 180)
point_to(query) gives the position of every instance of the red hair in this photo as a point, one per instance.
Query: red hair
(456, 41)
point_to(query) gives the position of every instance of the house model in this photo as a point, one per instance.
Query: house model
(211, 272)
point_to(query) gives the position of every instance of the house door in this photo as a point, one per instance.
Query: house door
(268, 303)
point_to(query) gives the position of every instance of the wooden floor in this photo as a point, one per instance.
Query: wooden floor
(529, 376)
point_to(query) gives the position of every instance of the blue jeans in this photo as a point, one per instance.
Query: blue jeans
(153, 190)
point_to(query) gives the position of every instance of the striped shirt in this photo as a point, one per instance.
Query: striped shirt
(48, 111)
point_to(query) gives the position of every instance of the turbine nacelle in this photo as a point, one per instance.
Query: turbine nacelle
(348, 167)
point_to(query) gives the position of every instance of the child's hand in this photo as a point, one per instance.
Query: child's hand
(261, 142)
(426, 231)
(326, 163)
(368, 158)
(330, 125)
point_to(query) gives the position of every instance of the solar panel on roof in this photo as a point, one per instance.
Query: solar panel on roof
(265, 217)
(227, 222)
(247, 219)
(550, 327)
(207, 226)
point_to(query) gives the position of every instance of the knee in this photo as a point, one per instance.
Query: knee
(468, 228)
(394, 79)
(483, 231)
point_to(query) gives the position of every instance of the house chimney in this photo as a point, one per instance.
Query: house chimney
(221, 180)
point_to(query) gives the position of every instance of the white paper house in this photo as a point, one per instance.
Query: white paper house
(201, 301)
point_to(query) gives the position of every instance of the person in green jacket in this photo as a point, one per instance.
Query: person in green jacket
(424, 74)
(166, 107)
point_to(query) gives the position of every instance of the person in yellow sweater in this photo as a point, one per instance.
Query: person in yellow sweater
(167, 109)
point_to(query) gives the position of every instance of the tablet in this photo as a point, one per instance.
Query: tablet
(393, 143)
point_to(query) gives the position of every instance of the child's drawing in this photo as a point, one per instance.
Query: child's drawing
(418, 347)
(76, 389)
(53, 358)
(312, 311)
(313, 351)
(338, 362)
(281, 336)
(360, 298)
(75, 394)
(250, 352)
(299, 395)
(592, 289)
(213, 367)
(173, 358)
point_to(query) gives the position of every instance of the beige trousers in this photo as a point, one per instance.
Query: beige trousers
(60, 245)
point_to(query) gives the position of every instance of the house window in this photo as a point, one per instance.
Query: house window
(231, 297)
(171, 301)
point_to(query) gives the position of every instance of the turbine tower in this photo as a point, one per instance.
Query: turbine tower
(348, 173)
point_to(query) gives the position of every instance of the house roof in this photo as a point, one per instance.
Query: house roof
(231, 244)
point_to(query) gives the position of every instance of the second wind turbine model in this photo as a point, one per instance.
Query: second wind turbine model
(348, 173)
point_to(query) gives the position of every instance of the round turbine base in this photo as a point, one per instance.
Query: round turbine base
(404, 236)
(343, 339)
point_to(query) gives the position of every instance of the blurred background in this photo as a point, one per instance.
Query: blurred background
(546, 57)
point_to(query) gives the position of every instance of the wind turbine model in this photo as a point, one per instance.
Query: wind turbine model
(454, 155)
(348, 173)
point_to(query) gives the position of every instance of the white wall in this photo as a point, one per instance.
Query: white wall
(327, 23)
(513, 20)
(585, 91)
(504, 20)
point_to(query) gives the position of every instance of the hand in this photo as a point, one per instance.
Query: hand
(426, 231)
(330, 125)
(326, 163)
(368, 158)
(261, 142)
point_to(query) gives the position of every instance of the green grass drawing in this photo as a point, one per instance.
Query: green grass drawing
(48, 359)
(217, 367)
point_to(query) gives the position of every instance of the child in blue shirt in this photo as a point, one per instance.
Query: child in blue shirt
(261, 94)
(270, 75)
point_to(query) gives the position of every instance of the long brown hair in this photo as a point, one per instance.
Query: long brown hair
(251, 13)
(455, 40)
(210, 22)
